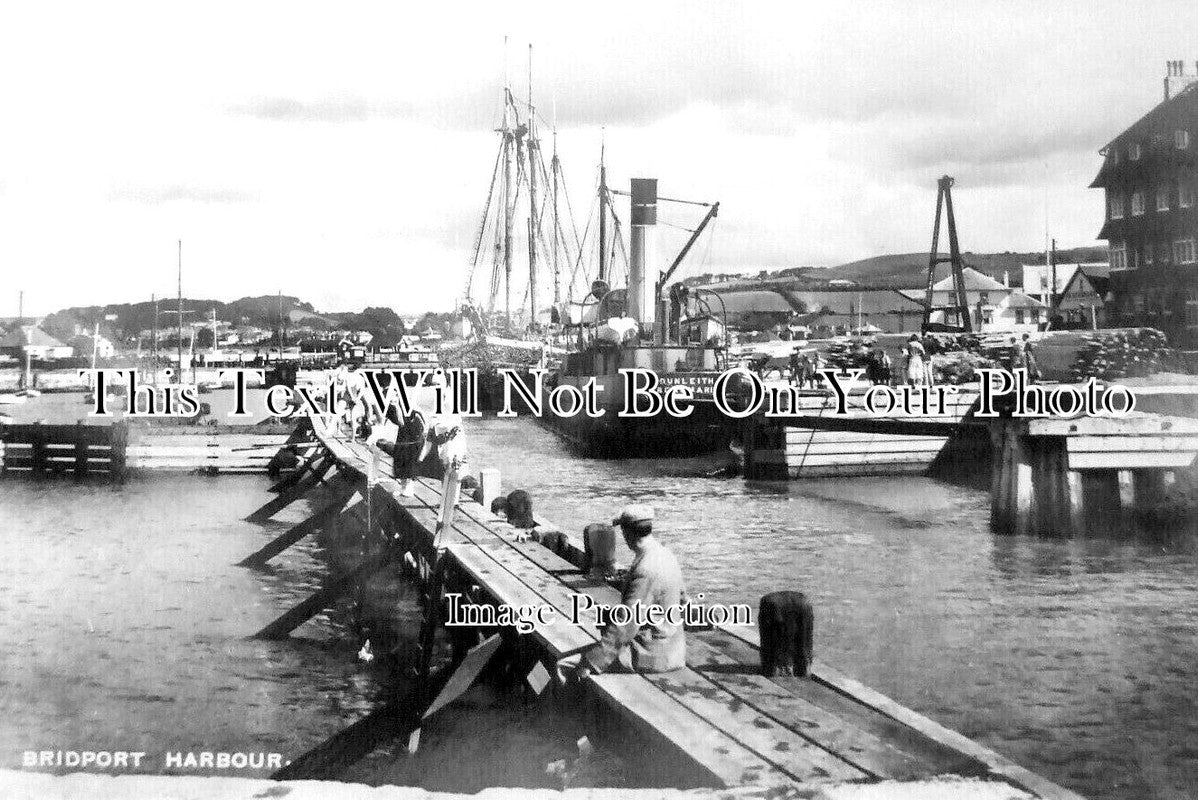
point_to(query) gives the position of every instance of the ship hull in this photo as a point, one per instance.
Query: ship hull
(705, 430)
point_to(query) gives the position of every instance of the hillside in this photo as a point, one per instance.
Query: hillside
(904, 270)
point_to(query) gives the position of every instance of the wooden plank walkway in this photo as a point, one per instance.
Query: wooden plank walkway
(728, 725)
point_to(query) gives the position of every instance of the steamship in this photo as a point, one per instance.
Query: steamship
(637, 327)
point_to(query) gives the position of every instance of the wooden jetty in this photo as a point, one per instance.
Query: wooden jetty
(1061, 477)
(119, 448)
(717, 723)
(811, 442)
(79, 449)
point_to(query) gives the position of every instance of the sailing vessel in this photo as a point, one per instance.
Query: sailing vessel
(523, 330)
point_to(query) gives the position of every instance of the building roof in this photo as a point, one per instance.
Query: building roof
(37, 337)
(1176, 113)
(974, 282)
(1021, 300)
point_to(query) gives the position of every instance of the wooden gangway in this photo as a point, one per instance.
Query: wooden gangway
(717, 723)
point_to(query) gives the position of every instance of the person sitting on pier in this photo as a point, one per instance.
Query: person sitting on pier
(654, 579)
(519, 510)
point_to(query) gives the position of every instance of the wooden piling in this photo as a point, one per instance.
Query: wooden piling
(37, 444)
(1077, 502)
(1127, 498)
(80, 450)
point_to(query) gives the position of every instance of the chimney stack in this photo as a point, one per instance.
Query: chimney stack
(642, 263)
(1176, 79)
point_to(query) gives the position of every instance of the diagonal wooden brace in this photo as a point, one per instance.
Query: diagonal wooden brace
(322, 599)
(295, 493)
(342, 487)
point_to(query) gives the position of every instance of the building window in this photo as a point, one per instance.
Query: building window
(1181, 139)
(1118, 255)
(1162, 198)
(1183, 251)
(1133, 151)
(983, 297)
(1185, 194)
(1137, 204)
(1115, 204)
(1192, 308)
(1019, 316)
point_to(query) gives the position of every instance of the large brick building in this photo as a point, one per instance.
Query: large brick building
(1150, 176)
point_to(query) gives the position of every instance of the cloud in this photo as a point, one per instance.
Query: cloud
(178, 192)
(289, 109)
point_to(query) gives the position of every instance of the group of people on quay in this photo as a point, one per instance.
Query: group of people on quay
(916, 364)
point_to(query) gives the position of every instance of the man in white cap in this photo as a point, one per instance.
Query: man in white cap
(655, 579)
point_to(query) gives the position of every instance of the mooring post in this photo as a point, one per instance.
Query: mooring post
(488, 479)
(786, 621)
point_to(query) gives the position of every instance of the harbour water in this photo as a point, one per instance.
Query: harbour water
(125, 619)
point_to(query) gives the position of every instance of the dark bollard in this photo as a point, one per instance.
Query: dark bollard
(599, 545)
(787, 623)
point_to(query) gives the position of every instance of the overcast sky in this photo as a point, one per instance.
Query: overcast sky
(342, 152)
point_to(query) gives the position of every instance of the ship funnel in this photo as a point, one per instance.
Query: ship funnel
(642, 272)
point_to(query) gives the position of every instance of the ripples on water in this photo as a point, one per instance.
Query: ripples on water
(124, 620)
(1075, 657)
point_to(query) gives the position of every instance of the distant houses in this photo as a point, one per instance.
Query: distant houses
(40, 345)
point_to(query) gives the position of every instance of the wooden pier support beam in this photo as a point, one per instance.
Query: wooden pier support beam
(1077, 502)
(322, 598)
(1127, 498)
(343, 489)
(304, 486)
(80, 450)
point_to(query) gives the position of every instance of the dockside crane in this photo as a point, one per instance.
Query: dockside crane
(960, 306)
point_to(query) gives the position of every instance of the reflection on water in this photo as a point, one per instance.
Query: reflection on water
(125, 621)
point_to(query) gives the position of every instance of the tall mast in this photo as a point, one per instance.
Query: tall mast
(532, 201)
(179, 377)
(508, 178)
(214, 331)
(154, 341)
(602, 211)
(557, 231)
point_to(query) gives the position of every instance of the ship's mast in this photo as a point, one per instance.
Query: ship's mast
(533, 226)
(557, 230)
(508, 197)
(154, 342)
(179, 377)
(602, 212)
